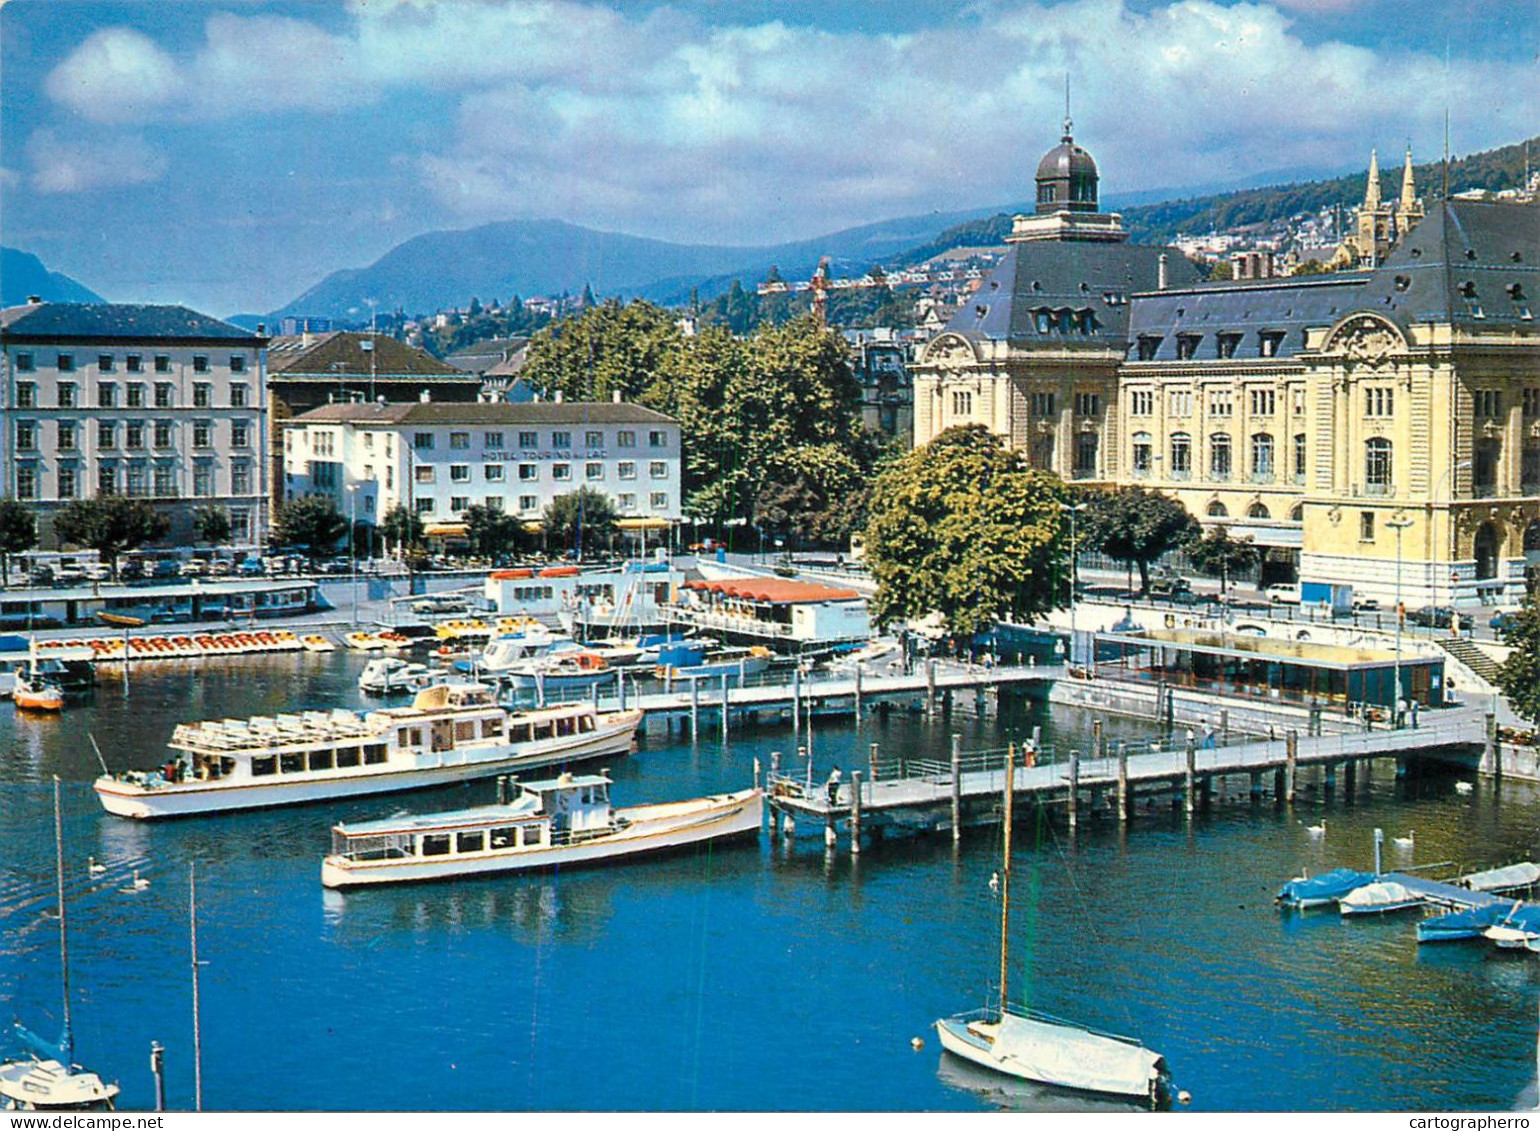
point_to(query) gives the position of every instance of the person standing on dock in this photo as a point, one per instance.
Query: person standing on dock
(834, 786)
(1208, 735)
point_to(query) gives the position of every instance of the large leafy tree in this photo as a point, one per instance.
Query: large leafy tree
(583, 520)
(632, 349)
(963, 527)
(1219, 555)
(18, 533)
(310, 521)
(1131, 524)
(1519, 676)
(491, 532)
(110, 525)
(212, 525)
(402, 528)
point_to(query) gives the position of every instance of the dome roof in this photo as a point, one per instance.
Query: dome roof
(1066, 160)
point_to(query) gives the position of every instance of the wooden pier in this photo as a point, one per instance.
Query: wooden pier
(968, 789)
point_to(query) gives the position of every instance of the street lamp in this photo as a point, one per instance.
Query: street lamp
(1463, 465)
(1398, 525)
(1073, 571)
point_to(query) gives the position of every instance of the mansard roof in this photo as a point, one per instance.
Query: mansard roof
(118, 321)
(1280, 309)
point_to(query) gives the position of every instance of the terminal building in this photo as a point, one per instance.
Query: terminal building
(1378, 428)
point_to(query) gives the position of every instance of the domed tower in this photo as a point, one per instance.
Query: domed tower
(1066, 178)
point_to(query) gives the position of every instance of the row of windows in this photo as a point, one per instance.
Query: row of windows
(1226, 345)
(162, 434)
(163, 395)
(1379, 458)
(138, 480)
(530, 504)
(1221, 402)
(27, 362)
(1064, 321)
(461, 441)
(529, 472)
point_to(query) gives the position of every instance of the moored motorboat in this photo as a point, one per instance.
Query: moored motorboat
(1304, 892)
(566, 820)
(391, 675)
(34, 692)
(1379, 898)
(452, 732)
(560, 672)
(1466, 923)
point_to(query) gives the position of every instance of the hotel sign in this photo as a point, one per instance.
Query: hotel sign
(533, 456)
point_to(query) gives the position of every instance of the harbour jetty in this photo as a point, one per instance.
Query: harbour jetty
(932, 795)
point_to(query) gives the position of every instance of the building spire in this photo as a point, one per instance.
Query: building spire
(1068, 132)
(1372, 189)
(1408, 183)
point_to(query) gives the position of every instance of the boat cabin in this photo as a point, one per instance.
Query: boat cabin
(545, 813)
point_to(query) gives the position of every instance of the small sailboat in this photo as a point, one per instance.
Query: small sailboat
(1048, 1050)
(47, 1079)
(35, 691)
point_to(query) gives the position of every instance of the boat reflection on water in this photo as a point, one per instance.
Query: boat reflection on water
(1010, 1093)
(539, 910)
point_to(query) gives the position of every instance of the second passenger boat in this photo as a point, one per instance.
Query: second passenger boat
(450, 733)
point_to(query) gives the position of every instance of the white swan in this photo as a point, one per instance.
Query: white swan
(93, 867)
(1463, 787)
(1317, 830)
(1405, 841)
(137, 884)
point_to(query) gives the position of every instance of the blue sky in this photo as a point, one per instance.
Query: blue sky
(229, 155)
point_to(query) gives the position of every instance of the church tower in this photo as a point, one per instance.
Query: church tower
(1374, 219)
(1409, 208)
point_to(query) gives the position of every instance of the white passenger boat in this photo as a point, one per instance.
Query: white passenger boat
(390, 674)
(1035, 1046)
(567, 820)
(503, 653)
(560, 672)
(451, 732)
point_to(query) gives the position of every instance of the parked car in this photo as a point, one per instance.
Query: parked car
(131, 570)
(251, 567)
(166, 570)
(99, 572)
(1503, 622)
(1366, 605)
(1169, 586)
(444, 605)
(1432, 616)
(221, 567)
(70, 575)
(40, 575)
(197, 567)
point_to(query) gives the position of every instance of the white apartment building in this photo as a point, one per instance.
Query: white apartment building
(441, 459)
(153, 402)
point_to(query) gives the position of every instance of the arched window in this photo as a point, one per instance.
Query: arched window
(1218, 510)
(1377, 465)
(1144, 453)
(1298, 513)
(1261, 458)
(1258, 511)
(1487, 545)
(1181, 455)
(1219, 456)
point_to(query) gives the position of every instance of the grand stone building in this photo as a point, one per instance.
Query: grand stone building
(1345, 422)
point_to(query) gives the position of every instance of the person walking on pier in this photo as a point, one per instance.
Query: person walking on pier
(834, 786)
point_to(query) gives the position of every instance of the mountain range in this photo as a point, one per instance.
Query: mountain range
(22, 275)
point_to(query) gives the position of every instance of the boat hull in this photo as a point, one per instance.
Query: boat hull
(186, 799)
(675, 825)
(958, 1038)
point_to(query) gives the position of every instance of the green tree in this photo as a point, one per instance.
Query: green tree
(493, 533)
(1519, 676)
(963, 527)
(110, 524)
(584, 519)
(312, 522)
(401, 528)
(212, 525)
(1218, 555)
(18, 533)
(631, 349)
(1134, 525)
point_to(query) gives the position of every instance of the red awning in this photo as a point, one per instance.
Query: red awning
(773, 590)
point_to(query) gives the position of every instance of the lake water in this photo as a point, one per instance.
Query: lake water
(744, 977)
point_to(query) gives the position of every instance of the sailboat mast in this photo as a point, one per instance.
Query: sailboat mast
(192, 917)
(67, 1040)
(1005, 879)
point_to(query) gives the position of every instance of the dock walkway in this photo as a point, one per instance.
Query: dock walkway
(966, 791)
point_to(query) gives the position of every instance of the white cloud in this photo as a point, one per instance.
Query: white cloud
(668, 124)
(85, 161)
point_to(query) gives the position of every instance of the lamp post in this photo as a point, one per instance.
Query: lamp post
(1074, 573)
(1463, 465)
(1398, 525)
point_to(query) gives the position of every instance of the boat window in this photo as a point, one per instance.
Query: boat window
(347, 756)
(504, 837)
(586, 723)
(291, 763)
(264, 766)
(564, 725)
(470, 842)
(542, 731)
(320, 759)
(435, 844)
(465, 732)
(491, 728)
(417, 736)
(374, 755)
(404, 737)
